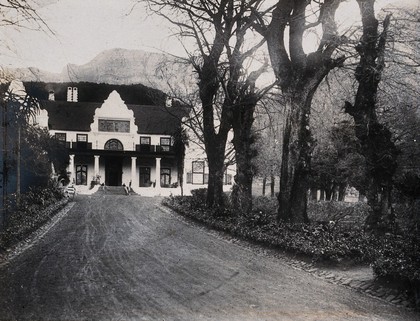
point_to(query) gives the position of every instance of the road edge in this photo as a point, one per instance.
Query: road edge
(19, 248)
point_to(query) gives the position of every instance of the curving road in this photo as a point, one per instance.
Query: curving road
(122, 258)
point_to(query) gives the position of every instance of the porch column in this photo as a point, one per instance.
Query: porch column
(96, 166)
(157, 172)
(71, 169)
(134, 172)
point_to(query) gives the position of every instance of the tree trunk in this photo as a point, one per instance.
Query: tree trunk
(4, 176)
(215, 184)
(322, 195)
(215, 146)
(272, 185)
(242, 120)
(335, 193)
(341, 192)
(328, 193)
(18, 167)
(314, 194)
(296, 159)
(376, 140)
(381, 216)
(263, 187)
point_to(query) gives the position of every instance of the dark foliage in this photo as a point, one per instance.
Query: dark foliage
(408, 183)
(33, 210)
(338, 162)
(338, 212)
(320, 240)
(398, 258)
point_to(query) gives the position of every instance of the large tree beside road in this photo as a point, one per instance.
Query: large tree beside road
(219, 54)
(298, 75)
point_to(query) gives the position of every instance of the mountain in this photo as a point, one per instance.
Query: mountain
(30, 74)
(117, 66)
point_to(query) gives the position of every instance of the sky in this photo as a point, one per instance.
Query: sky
(84, 28)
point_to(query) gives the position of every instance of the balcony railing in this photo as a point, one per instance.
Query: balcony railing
(154, 149)
(146, 149)
(79, 145)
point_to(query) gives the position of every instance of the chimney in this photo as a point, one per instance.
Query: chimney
(75, 94)
(69, 94)
(72, 94)
(51, 95)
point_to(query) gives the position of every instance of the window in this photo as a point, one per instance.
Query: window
(165, 144)
(198, 172)
(113, 125)
(145, 177)
(144, 140)
(81, 174)
(227, 179)
(82, 141)
(145, 144)
(61, 137)
(165, 177)
(113, 144)
(82, 138)
(189, 178)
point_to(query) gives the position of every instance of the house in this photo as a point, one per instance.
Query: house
(114, 143)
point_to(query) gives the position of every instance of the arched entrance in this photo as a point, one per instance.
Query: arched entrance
(113, 165)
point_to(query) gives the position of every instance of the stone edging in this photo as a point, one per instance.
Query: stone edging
(368, 287)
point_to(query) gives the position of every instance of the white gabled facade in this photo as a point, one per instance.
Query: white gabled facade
(110, 147)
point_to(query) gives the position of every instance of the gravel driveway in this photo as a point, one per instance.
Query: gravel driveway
(122, 258)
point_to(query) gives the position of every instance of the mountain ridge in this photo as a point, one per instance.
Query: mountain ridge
(114, 66)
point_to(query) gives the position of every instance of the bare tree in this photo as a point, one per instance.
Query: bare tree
(377, 142)
(299, 75)
(227, 92)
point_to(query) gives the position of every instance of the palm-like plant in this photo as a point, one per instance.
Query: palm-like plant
(19, 109)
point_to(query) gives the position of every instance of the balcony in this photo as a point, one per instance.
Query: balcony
(152, 149)
(79, 145)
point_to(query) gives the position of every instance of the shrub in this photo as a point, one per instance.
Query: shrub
(398, 257)
(198, 197)
(320, 240)
(32, 210)
(339, 212)
(408, 215)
